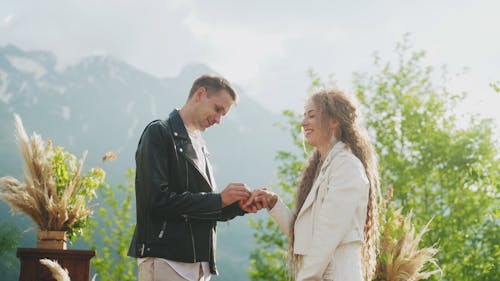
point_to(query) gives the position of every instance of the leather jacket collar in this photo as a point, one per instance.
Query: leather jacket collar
(184, 146)
(178, 127)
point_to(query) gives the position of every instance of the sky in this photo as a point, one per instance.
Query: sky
(266, 47)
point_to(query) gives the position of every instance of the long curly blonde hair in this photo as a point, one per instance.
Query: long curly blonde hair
(335, 105)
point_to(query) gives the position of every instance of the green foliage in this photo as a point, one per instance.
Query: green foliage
(9, 239)
(269, 259)
(318, 83)
(495, 86)
(114, 226)
(65, 170)
(443, 165)
(67, 173)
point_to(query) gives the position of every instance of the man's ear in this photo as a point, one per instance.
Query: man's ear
(199, 93)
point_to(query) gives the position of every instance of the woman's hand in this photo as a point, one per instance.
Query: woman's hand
(270, 197)
(259, 199)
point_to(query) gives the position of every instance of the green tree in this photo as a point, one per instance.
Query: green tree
(442, 165)
(269, 259)
(110, 234)
(9, 240)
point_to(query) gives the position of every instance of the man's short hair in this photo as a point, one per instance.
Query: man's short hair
(213, 83)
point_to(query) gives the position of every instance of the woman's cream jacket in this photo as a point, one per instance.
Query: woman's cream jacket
(334, 212)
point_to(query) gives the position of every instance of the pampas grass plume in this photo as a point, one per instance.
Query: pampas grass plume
(59, 273)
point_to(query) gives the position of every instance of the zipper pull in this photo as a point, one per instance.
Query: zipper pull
(163, 227)
(142, 250)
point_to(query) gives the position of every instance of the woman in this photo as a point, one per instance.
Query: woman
(333, 231)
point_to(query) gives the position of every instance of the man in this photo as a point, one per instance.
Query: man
(177, 207)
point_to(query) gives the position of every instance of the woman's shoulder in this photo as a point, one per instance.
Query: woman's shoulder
(345, 163)
(345, 155)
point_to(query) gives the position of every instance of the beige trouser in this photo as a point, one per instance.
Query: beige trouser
(156, 270)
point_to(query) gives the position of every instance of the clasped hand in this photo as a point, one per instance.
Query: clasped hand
(259, 199)
(250, 201)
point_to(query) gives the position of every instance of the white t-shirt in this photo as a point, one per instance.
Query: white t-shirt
(199, 146)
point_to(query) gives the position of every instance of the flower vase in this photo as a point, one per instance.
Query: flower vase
(51, 240)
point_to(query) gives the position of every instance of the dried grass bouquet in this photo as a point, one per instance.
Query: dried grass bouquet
(55, 194)
(400, 258)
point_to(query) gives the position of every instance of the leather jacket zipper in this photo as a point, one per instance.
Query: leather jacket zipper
(185, 216)
(187, 188)
(192, 237)
(163, 227)
(206, 213)
(187, 176)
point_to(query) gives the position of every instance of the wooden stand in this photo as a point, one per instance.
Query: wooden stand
(77, 262)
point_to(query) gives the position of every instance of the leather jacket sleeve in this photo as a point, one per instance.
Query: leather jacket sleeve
(227, 213)
(155, 154)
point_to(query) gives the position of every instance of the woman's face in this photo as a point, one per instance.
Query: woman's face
(314, 133)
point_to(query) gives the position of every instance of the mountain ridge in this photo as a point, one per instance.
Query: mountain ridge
(102, 103)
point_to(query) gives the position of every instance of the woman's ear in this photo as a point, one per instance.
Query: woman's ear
(335, 127)
(334, 124)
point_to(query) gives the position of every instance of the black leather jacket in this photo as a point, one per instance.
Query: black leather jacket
(176, 208)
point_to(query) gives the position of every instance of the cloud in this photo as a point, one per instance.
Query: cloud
(27, 66)
(264, 46)
(270, 58)
(237, 50)
(7, 20)
(148, 34)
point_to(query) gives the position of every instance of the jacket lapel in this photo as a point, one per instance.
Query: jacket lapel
(209, 171)
(311, 197)
(184, 146)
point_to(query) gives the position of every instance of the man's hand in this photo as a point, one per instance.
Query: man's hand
(234, 192)
(250, 205)
(261, 198)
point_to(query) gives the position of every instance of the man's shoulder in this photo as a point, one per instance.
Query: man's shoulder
(158, 123)
(156, 128)
(163, 123)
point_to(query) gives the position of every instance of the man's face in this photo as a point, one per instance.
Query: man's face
(211, 107)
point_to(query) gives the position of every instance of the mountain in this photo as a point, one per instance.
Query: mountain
(101, 104)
